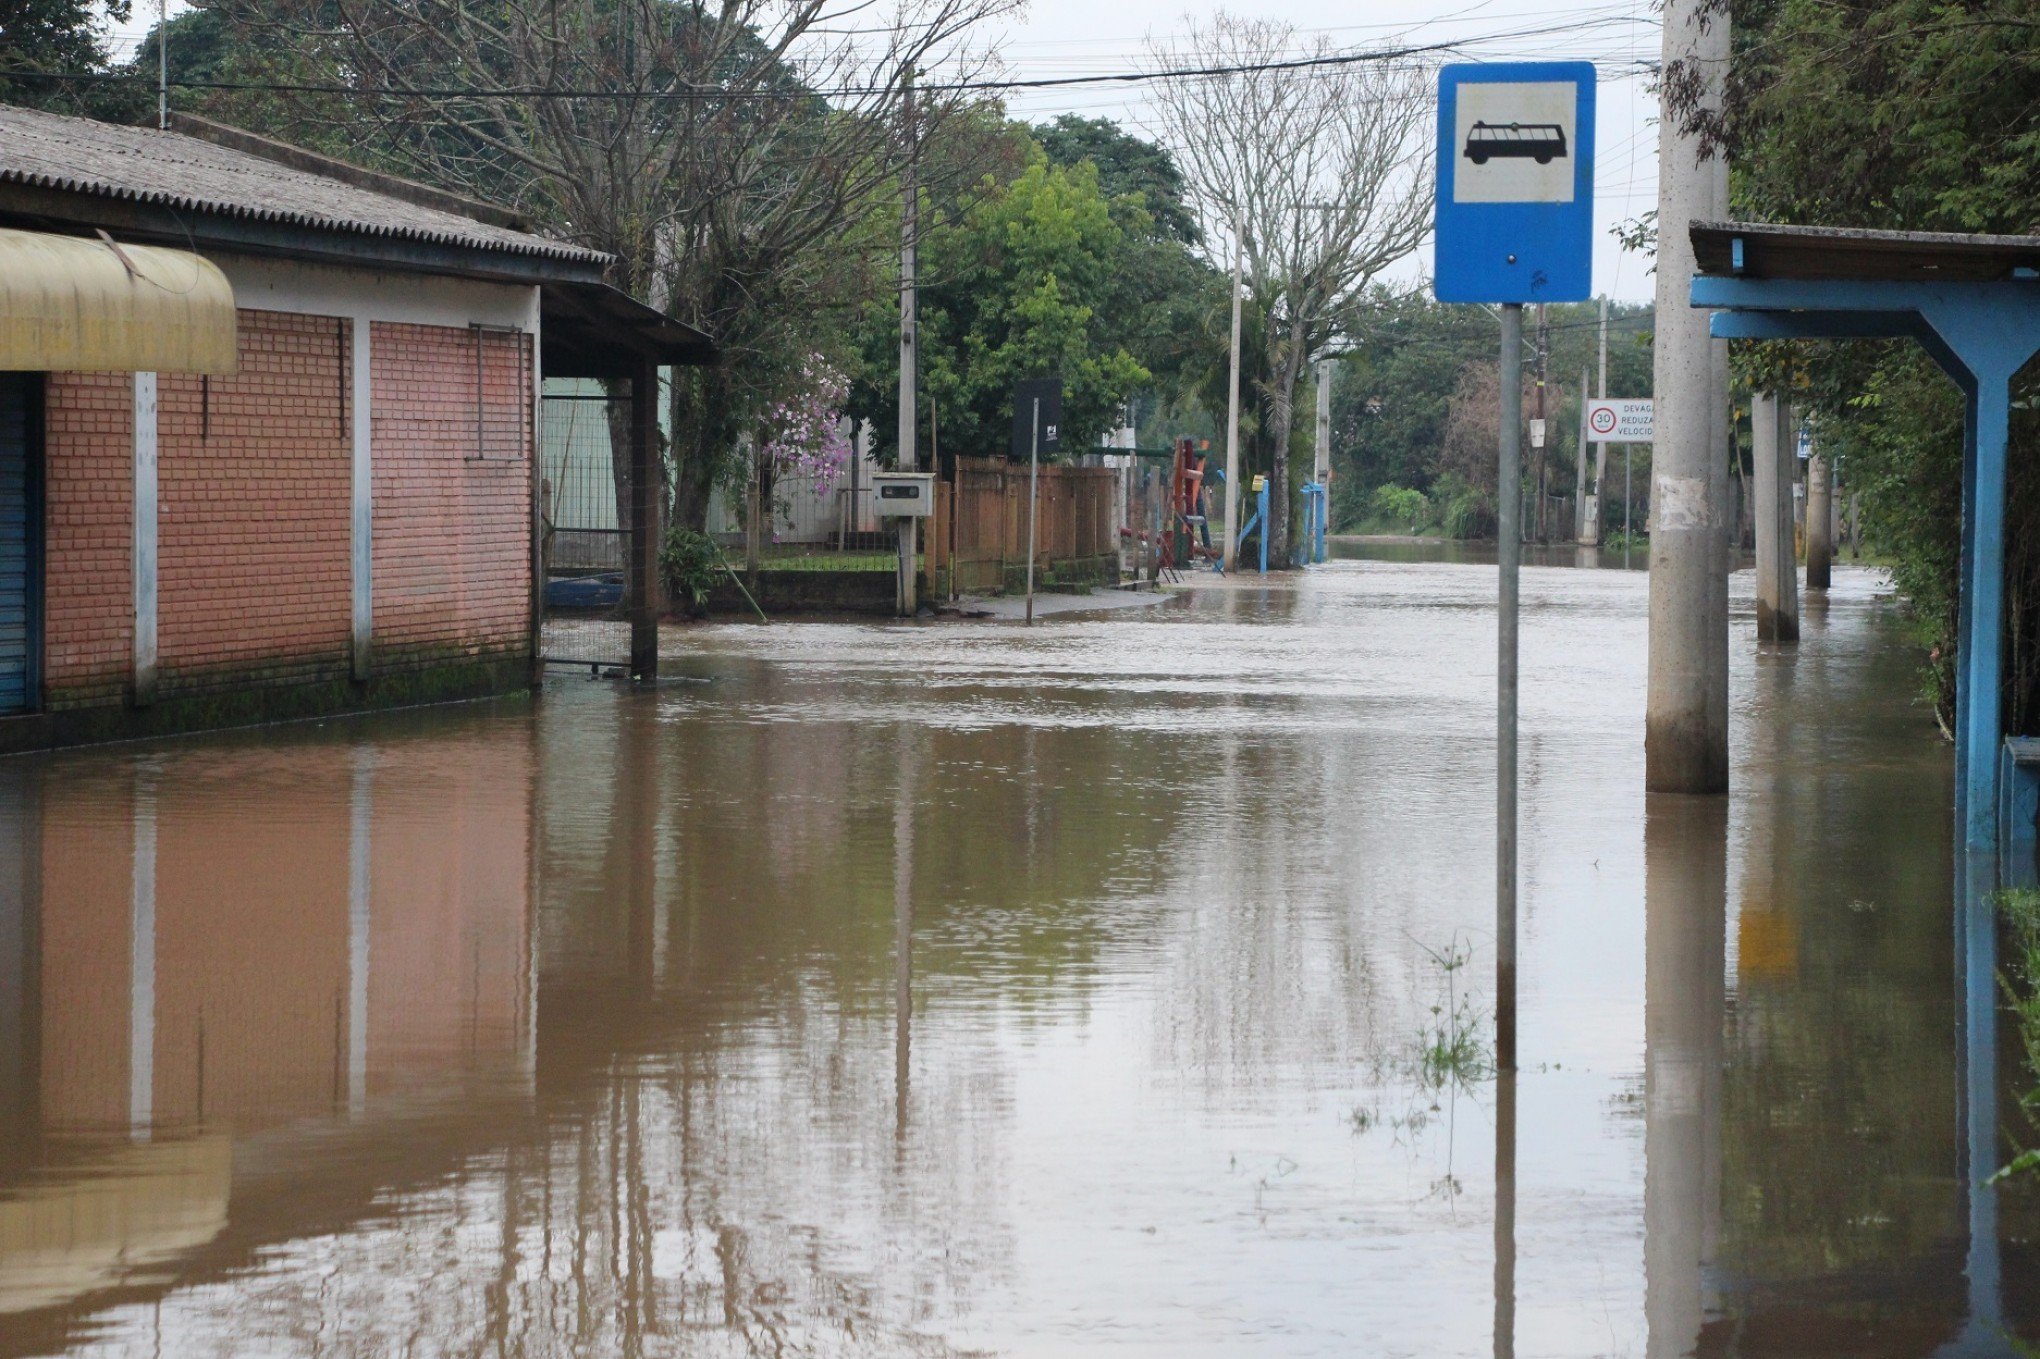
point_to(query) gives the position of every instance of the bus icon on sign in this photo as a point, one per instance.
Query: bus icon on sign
(1541, 142)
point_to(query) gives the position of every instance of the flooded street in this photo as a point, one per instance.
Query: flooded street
(1117, 986)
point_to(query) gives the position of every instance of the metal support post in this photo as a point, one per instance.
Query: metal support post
(1033, 499)
(645, 482)
(1509, 547)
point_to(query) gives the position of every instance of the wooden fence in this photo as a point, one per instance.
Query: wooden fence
(977, 538)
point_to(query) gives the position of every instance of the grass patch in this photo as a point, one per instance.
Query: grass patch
(2019, 974)
(827, 561)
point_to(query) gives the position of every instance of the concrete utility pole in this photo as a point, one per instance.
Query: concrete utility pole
(1777, 566)
(1685, 728)
(1580, 471)
(1232, 412)
(1324, 422)
(1601, 446)
(910, 384)
(162, 65)
(1820, 521)
(1509, 551)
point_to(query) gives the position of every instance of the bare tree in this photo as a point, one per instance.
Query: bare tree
(1322, 173)
(728, 154)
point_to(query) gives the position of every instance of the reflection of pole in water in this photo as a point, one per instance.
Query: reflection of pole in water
(1685, 900)
(142, 961)
(1976, 940)
(360, 813)
(903, 938)
(1505, 1214)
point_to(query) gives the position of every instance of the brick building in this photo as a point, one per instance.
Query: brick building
(344, 519)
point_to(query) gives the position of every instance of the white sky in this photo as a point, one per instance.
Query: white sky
(1080, 37)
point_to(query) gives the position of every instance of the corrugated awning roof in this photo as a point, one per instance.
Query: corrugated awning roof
(1770, 250)
(73, 305)
(170, 169)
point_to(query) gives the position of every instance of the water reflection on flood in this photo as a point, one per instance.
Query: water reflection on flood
(968, 989)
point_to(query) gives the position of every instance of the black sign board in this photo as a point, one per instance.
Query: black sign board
(1049, 391)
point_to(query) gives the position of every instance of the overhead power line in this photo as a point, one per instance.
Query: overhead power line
(1325, 61)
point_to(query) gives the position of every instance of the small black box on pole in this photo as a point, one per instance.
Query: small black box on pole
(1049, 390)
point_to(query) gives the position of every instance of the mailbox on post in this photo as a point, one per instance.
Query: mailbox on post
(903, 495)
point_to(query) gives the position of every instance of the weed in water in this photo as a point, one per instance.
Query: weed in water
(1453, 1048)
(2020, 978)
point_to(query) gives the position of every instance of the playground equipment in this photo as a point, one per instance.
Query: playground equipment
(1255, 526)
(1191, 534)
(1316, 509)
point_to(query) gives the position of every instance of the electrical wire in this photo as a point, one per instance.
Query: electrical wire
(1323, 61)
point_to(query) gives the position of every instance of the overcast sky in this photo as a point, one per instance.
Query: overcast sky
(1080, 37)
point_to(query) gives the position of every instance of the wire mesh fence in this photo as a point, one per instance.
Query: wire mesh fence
(584, 540)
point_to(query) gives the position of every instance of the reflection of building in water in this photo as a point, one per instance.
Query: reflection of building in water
(208, 945)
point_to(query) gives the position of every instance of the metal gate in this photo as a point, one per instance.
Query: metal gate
(584, 539)
(20, 542)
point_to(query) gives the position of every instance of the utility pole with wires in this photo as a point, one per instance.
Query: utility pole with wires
(905, 602)
(1232, 409)
(162, 65)
(1600, 525)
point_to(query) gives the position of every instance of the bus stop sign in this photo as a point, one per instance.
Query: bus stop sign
(1515, 182)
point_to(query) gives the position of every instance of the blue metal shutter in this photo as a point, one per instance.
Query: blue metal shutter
(18, 544)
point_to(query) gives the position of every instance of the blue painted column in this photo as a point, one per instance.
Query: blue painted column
(1979, 705)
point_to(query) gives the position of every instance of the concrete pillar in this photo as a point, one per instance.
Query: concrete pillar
(1686, 730)
(1777, 562)
(645, 479)
(362, 517)
(144, 546)
(1820, 522)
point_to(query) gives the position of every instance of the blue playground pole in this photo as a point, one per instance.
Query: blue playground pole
(1315, 506)
(1260, 518)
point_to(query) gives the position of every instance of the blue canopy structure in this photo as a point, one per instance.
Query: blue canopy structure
(1973, 302)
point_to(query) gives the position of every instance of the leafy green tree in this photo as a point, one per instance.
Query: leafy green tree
(1126, 165)
(1017, 287)
(1914, 115)
(60, 37)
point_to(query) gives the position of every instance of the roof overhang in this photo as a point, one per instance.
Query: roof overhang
(1770, 251)
(68, 304)
(592, 330)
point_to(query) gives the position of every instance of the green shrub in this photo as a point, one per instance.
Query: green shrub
(689, 562)
(1394, 504)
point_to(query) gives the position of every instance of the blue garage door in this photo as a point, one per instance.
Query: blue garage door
(20, 540)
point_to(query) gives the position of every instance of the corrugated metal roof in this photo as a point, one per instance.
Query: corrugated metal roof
(168, 168)
(1776, 250)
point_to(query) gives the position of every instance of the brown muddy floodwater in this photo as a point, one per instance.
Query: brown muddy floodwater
(1114, 987)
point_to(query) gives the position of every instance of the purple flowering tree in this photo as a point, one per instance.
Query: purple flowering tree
(801, 436)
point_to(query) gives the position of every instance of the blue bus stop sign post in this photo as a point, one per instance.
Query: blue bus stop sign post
(1515, 182)
(1515, 224)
